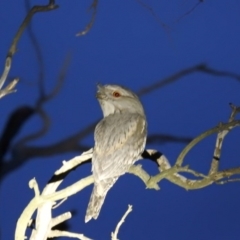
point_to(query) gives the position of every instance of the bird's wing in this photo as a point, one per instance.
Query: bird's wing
(119, 141)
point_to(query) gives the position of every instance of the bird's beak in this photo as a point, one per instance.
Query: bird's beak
(100, 92)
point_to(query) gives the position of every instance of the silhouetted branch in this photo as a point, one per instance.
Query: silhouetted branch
(220, 73)
(165, 138)
(23, 153)
(37, 134)
(13, 47)
(49, 7)
(152, 12)
(90, 24)
(62, 75)
(28, 152)
(38, 52)
(197, 68)
(14, 123)
(190, 11)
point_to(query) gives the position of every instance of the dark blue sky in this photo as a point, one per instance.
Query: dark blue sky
(127, 45)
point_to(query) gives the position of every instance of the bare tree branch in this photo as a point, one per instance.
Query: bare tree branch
(38, 52)
(221, 127)
(10, 88)
(44, 204)
(13, 47)
(62, 75)
(189, 11)
(6, 70)
(152, 12)
(197, 68)
(14, 124)
(165, 138)
(50, 6)
(115, 233)
(23, 153)
(90, 24)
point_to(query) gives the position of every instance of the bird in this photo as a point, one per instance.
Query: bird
(120, 139)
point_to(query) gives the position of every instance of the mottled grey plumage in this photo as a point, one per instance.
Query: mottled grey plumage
(120, 139)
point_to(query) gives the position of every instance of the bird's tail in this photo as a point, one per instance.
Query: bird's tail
(99, 193)
(95, 204)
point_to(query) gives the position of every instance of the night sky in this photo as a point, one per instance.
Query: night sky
(134, 45)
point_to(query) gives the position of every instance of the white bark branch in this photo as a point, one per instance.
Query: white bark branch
(115, 233)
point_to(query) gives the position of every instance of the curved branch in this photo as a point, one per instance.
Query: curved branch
(90, 24)
(50, 6)
(197, 68)
(221, 127)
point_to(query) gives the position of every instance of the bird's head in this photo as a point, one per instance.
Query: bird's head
(118, 99)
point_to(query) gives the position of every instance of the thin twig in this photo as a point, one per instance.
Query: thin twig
(92, 20)
(228, 181)
(60, 80)
(115, 233)
(10, 88)
(38, 52)
(58, 233)
(190, 11)
(152, 12)
(235, 111)
(6, 70)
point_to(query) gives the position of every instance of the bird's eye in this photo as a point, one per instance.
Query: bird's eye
(116, 94)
